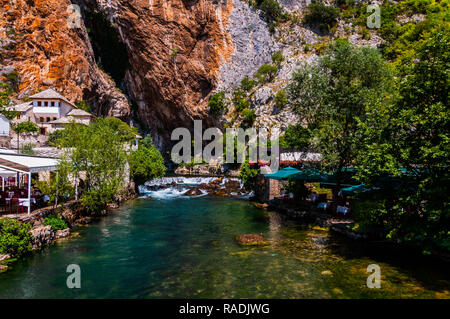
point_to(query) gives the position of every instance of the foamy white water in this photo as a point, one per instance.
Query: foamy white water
(167, 193)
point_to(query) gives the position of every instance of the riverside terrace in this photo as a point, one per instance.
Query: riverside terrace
(16, 172)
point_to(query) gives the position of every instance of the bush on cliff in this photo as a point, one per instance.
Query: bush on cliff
(322, 15)
(217, 103)
(56, 222)
(266, 73)
(14, 237)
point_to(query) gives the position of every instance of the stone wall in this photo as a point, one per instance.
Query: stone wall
(267, 189)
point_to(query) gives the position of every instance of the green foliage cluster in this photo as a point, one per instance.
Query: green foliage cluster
(393, 126)
(277, 58)
(240, 99)
(281, 98)
(273, 11)
(56, 222)
(247, 85)
(266, 73)
(248, 176)
(248, 117)
(83, 105)
(217, 103)
(321, 15)
(15, 238)
(146, 162)
(413, 133)
(296, 137)
(59, 188)
(55, 137)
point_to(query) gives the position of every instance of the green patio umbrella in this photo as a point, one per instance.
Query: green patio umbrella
(310, 175)
(282, 173)
(357, 189)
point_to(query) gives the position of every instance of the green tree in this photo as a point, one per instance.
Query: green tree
(356, 79)
(58, 188)
(100, 151)
(266, 73)
(24, 127)
(247, 84)
(413, 134)
(217, 103)
(146, 163)
(277, 58)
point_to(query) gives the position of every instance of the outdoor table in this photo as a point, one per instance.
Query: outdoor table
(21, 200)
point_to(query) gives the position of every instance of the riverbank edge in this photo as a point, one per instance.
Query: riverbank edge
(341, 227)
(71, 212)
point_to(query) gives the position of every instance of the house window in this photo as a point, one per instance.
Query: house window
(18, 117)
(45, 103)
(42, 131)
(41, 119)
(48, 119)
(39, 103)
(52, 103)
(54, 119)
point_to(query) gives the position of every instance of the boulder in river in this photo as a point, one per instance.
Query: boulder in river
(252, 240)
(193, 192)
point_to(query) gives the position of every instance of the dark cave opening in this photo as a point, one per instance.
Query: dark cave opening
(110, 52)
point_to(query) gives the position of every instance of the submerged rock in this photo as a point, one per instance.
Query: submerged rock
(193, 192)
(252, 240)
(62, 233)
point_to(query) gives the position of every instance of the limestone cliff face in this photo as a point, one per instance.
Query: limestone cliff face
(37, 42)
(175, 50)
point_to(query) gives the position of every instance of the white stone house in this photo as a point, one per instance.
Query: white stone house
(50, 111)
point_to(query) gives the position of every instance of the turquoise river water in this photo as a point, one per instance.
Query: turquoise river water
(182, 247)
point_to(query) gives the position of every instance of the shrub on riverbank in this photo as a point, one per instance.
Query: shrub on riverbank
(56, 222)
(248, 176)
(146, 163)
(14, 237)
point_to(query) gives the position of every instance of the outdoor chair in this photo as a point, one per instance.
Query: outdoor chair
(16, 203)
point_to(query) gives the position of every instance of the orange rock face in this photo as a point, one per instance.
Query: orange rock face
(38, 43)
(175, 49)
